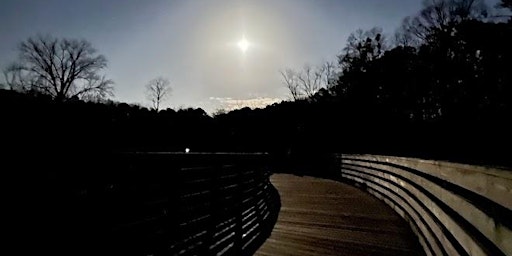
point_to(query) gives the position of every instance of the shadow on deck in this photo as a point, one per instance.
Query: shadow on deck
(324, 217)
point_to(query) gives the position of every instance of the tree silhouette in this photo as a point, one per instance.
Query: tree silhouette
(506, 4)
(362, 48)
(157, 91)
(445, 97)
(14, 78)
(62, 68)
(307, 82)
(438, 17)
(403, 37)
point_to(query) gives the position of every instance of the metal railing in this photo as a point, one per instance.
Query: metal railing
(162, 204)
(455, 209)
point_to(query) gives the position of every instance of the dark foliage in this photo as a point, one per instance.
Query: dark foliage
(449, 97)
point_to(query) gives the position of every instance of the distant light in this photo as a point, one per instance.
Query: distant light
(243, 45)
(187, 150)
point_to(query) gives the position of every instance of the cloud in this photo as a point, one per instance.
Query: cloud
(229, 104)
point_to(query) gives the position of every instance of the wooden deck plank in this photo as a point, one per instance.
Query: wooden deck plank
(324, 217)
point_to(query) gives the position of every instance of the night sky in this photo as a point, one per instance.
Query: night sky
(194, 43)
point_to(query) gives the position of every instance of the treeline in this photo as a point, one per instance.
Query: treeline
(441, 89)
(38, 122)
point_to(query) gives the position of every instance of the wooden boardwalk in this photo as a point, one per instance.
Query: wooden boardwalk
(323, 217)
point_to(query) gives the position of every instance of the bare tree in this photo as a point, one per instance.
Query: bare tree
(403, 37)
(329, 73)
(62, 68)
(362, 48)
(157, 91)
(441, 15)
(290, 80)
(308, 81)
(15, 78)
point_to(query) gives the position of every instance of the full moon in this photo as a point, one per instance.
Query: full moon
(243, 45)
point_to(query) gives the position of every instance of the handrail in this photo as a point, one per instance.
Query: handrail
(455, 209)
(166, 204)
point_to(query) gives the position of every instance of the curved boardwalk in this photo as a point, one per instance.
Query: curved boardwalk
(324, 217)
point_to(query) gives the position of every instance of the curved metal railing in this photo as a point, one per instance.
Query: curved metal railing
(455, 209)
(165, 204)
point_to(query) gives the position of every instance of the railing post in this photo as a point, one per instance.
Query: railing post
(238, 212)
(214, 209)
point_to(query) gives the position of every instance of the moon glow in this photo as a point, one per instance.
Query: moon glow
(243, 45)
